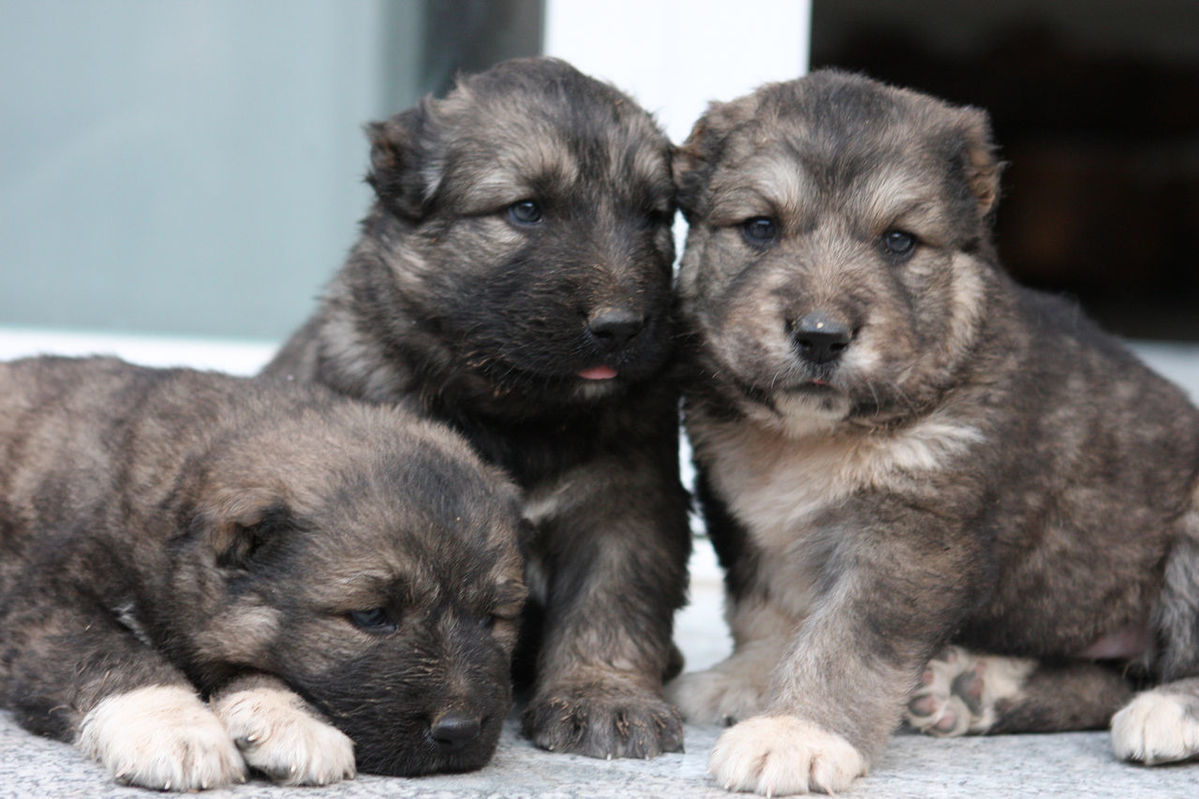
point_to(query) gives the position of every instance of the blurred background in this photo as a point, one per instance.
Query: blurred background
(194, 169)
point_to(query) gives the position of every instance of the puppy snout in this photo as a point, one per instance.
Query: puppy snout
(613, 328)
(455, 729)
(820, 338)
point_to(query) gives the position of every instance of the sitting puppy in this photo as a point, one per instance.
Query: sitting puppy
(336, 580)
(900, 448)
(513, 280)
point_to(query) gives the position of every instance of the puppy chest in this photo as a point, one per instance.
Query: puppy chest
(781, 488)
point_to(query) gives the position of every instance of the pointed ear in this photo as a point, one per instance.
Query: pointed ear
(982, 166)
(695, 161)
(242, 526)
(403, 173)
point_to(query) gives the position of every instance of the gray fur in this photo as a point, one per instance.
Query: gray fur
(971, 462)
(180, 528)
(454, 306)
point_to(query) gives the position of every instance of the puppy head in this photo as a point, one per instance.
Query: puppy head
(370, 561)
(839, 248)
(524, 223)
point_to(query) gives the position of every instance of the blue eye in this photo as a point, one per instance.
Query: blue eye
(376, 621)
(525, 213)
(759, 231)
(897, 244)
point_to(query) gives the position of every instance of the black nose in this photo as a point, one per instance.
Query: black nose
(820, 338)
(455, 728)
(612, 328)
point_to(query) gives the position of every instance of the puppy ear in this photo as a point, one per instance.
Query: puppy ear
(401, 167)
(245, 527)
(982, 166)
(694, 162)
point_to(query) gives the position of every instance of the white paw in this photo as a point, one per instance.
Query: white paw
(780, 755)
(1157, 727)
(735, 689)
(161, 737)
(960, 692)
(280, 736)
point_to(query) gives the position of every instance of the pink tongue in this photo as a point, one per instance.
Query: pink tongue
(598, 373)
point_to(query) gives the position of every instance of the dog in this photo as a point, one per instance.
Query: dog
(204, 574)
(513, 280)
(899, 448)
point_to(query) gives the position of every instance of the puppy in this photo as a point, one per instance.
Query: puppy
(513, 279)
(341, 583)
(899, 448)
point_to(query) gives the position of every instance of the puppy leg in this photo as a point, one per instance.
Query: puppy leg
(1160, 725)
(961, 692)
(739, 686)
(613, 579)
(79, 676)
(280, 735)
(838, 693)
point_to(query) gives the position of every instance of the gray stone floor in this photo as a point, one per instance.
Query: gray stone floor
(1062, 765)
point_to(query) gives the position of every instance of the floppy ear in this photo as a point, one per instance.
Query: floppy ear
(694, 162)
(242, 525)
(403, 173)
(981, 165)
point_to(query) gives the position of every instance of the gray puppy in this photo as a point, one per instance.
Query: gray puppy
(341, 583)
(513, 279)
(899, 448)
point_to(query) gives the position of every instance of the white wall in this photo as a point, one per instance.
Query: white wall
(674, 56)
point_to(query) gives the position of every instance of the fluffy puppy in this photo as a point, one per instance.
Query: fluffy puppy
(898, 448)
(203, 574)
(513, 279)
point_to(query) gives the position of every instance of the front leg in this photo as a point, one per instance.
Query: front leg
(610, 564)
(79, 676)
(885, 595)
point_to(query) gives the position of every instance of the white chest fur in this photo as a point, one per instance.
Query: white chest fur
(774, 484)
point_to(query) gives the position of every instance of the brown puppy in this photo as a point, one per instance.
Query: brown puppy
(899, 447)
(340, 582)
(513, 280)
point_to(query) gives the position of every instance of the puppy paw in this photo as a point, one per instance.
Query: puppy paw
(603, 721)
(1157, 727)
(717, 696)
(281, 737)
(780, 755)
(734, 689)
(962, 693)
(161, 737)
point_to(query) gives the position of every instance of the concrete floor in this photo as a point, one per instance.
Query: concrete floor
(1065, 765)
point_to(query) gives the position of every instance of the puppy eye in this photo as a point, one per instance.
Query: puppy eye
(759, 231)
(898, 244)
(525, 212)
(376, 621)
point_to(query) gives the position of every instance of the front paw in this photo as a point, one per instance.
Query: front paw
(780, 755)
(1157, 727)
(601, 720)
(281, 737)
(161, 737)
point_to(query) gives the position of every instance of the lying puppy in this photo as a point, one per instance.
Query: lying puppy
(513, 279)
(898, 448)
(335, 580)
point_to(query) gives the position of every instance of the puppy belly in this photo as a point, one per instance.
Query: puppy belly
(782, 755)
(279, 736)
(161, 737)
